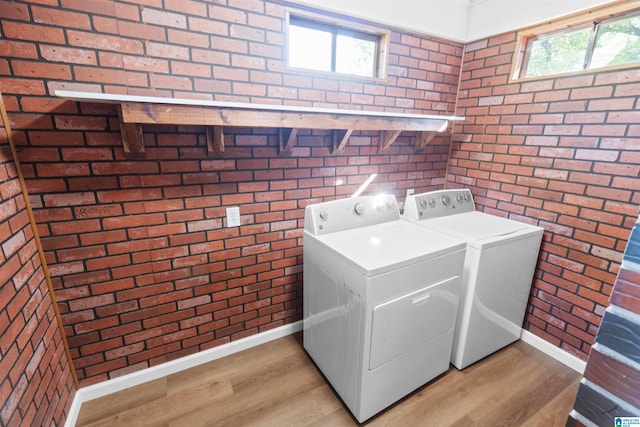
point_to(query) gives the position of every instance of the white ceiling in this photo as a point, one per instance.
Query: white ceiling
(458, 20)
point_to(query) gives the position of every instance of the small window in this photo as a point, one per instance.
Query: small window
(617, 42)
(334, 48)
(606, 43)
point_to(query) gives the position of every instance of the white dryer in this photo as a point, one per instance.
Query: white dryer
(380, 297)
(499, 265)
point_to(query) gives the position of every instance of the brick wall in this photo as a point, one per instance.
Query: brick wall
(562, 153)
(36, 385)
(144, 267)
(609, 387)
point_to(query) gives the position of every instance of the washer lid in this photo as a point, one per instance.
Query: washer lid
(384, 247)
(478, 226)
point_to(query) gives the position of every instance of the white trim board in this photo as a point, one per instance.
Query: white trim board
(85, 394)
(95, 391)
(557, 353)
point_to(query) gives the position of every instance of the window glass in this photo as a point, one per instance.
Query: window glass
(558, 53)
(617, 42)
(329, 47)
(355, 55)
(612, 41)
(309, 48)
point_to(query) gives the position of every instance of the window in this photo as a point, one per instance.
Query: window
(604, 43)
(332, 47)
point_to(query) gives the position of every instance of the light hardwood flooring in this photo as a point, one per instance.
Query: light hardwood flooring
(277, 384)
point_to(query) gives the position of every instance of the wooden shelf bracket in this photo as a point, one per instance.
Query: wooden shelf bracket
(387, 138)
(423, 139)
(288, 138)
(132, 137)
(215, 141)
(340, 139)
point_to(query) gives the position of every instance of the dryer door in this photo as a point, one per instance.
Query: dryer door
(410, 321)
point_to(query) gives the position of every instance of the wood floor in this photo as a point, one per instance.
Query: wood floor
(277, 384)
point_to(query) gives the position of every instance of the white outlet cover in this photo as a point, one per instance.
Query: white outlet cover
(233, 217)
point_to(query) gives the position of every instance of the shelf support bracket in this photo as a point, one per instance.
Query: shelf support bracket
(215, 141)
(340, 139)
(387, 138)
(423, 139)
(132, 137)
(287, 138)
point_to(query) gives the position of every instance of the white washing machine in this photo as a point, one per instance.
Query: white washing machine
(380, 300)
(499, 265)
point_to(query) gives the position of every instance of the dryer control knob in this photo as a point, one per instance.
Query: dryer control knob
(324, 215)
(467, 198)
(358, 208)
(423, 203)
(446, 200)
(459, 198)
(432, 203)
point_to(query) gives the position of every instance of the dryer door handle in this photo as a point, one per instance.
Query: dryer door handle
(421, 299)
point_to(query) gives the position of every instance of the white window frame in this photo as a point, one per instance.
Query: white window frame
(343, 27)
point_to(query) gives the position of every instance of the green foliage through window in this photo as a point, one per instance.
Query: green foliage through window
(601, 44)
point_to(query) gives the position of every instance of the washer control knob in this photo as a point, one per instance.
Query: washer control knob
(446, 200)
(423, 203)
(467, 197)
(358, 208)
(459, 198)
(432, 203)
(324, 215)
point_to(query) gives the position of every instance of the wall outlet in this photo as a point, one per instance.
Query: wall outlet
(233, 217)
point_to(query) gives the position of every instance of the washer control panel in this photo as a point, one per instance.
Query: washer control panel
(346, 214)
(439, 203)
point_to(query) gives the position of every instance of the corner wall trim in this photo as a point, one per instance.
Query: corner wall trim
(557, 353)
(85, 394)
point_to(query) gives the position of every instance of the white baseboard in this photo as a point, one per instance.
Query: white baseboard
(104, 388)
(557, 353)
(95, 391)
(74, 411)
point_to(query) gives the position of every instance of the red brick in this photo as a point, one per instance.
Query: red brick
(131, 12)
(611, 104)
(188, 38)
(20, 31)
(105, 42)
(60, 18)
(140, 30)
(17, 49)
(126, 78)
(101, 7)
(85, 226)
(68, 122)
(208, 26)
(25, 87)
(186, 6)
(627, 90)
(170, 82)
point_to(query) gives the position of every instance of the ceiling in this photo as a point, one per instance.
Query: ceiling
(459, 20)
